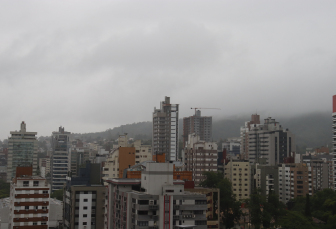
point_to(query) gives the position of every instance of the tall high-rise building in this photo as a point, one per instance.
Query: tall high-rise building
(60, 161)
(165, 132)
(255, 119)
(270, 141)
(199, 125)
(22, 151)
(333, 152)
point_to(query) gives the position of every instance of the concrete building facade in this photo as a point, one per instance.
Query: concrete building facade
(84, 199)
(265, 177)
(270, 141)
(199, 125)
(22, 151)
(44, 165)
(29, 200)
(60, 158)
(156, 202)
(199, 157)
(244, 149)
(239, 173)
(165, 132)
(232, 147)
(333, 152)
(295, 180)
(125, 157)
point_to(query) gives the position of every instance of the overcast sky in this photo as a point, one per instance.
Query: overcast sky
(94, 65)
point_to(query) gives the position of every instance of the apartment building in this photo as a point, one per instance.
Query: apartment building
(333, 151)
(199, 125)
(154, 201)
(232, 147)
(22, 151)
(165, 132)
(295, 180)
(321, 167)
(239, 173)
(200, 156)
(270, 141)
(135, 171)
(78, 157)
(265, 177)
(84, 199)
(44, 166)
(213, 203)
(29, 200)
(60, 158)
(244, 149)
(124, 157)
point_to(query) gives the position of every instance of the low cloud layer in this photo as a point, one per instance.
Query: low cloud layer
(90, 66)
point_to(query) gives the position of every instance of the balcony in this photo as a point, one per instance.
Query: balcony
(31, 211)
(153, 207)
(32, 219)
(192, 207)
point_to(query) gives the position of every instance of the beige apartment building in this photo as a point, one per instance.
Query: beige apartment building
(238, 172)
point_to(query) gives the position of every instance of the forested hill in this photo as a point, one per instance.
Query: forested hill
(311, 130)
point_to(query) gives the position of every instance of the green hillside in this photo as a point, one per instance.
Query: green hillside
(311, 130)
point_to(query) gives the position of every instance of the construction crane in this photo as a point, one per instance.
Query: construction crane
(203, 108)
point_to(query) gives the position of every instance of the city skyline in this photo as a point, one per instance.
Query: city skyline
(72, 67)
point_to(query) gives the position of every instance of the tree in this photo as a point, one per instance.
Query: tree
(229, 207)
(295, 220)
(255, 207)
(58, 194)
(307, 207)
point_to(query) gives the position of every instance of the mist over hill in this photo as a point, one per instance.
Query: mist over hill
(311, 130)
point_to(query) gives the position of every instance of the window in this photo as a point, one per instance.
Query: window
(45, 192)
(85, 208)
(36, 183)
(84, 223)
(84, 215)
(26, 207)
(34, 223)
(25, 183)
(85, 200)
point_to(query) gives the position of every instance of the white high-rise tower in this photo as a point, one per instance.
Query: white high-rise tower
(333, 152)
(165, 131)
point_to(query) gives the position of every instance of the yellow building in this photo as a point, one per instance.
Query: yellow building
(238, 172)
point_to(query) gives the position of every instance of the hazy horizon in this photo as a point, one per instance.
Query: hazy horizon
(90, 66)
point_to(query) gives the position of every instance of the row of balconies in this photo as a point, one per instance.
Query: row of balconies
(31, 211)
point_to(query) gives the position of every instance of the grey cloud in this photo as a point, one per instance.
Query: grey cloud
(90, 66)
